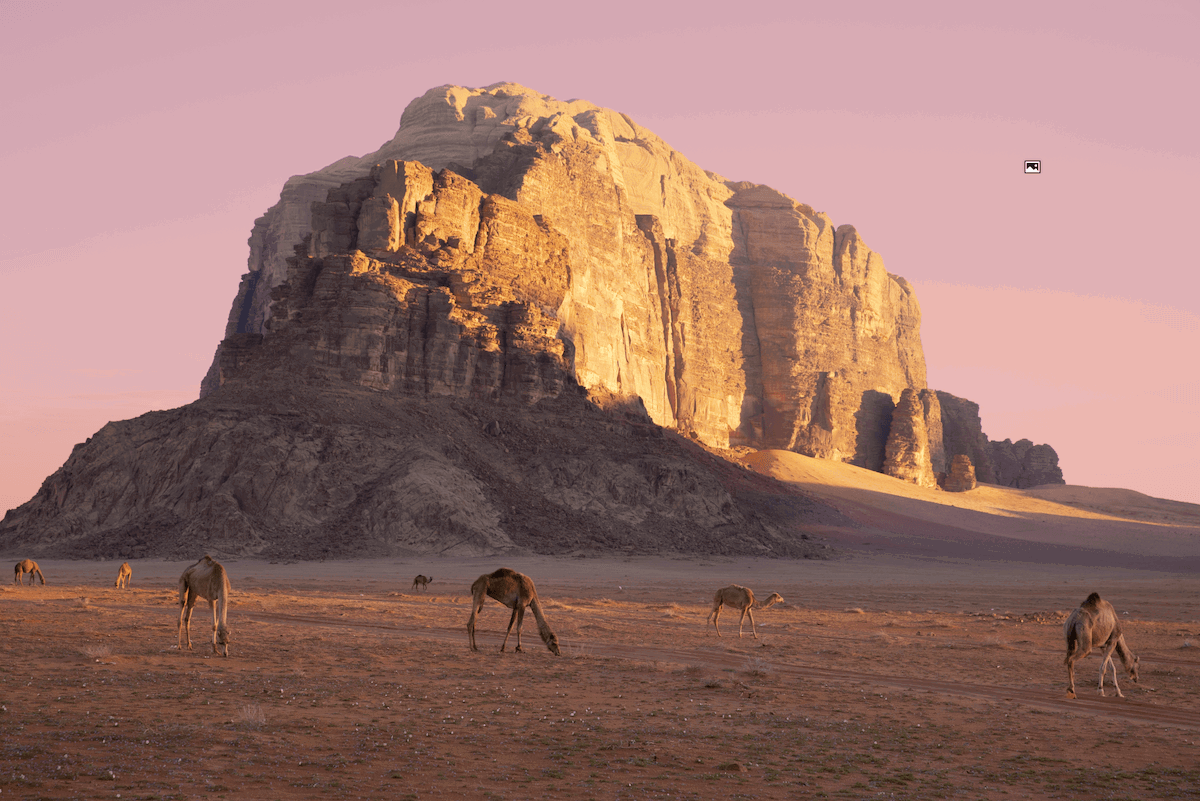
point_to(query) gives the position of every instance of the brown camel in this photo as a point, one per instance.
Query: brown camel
(206, 579)
(738, 597)
(515, 591)
(123, 576)
(27, 566)
(422, 582)
(1095, 625)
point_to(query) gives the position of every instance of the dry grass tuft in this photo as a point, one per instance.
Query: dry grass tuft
(580, 651)
(96, 651)
(854, 610)
(82, 603)
(253, 715)
(758, 667)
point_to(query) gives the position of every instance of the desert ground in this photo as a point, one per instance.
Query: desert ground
(886, 673)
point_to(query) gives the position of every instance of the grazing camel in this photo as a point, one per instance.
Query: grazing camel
(123, 576)
(422, 582)
(206, 579)
(515, 591)
(738, 597)
(1095, 625)
(27, 566)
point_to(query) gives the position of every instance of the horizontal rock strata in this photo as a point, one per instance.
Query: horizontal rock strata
(728, 309)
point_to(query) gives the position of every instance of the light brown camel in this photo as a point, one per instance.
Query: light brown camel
(422, 582)
(206, 579)
(1095, 625)
(123, 576)
(27, 566)
(738, 597)
(515, 591)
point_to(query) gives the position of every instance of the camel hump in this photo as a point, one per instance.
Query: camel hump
(1092, 600)
(504, 572)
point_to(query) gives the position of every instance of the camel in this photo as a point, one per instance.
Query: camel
(515, 591)
(123, 576)
(1095, 625)
(422, 582)
(738, 597)
(27, 566)
(206, 579)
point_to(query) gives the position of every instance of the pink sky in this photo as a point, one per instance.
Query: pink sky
(140, 141)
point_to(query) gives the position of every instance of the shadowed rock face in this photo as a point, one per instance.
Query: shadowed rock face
(729, 309)
(963, 434)
(1022, 464)
(308, 469)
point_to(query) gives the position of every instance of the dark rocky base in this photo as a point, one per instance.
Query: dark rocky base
(291, 470)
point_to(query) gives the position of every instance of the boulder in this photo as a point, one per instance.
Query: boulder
(961, 477)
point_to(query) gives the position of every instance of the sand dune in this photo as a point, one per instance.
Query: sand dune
(1057, 524)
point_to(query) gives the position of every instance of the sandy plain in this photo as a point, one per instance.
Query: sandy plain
(891, 671)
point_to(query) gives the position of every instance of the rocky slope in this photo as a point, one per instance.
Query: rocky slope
(305, 469)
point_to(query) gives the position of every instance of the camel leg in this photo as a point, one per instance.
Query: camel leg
(741, 621)
(1108, 660)
(716, 618)
(750, 612)
(185, 622)
(213, 605)
(520, 622)
(471, 624)
(508, 633)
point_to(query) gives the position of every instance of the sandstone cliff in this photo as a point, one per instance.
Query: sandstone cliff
(727, 309)
(509, 328)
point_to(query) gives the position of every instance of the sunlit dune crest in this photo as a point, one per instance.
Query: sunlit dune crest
(1117, 520)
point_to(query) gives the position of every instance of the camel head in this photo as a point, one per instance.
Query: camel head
(222, 639)
(1133, 670)
(551, 641)
(775, 598)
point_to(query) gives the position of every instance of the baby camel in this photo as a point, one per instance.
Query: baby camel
(738, 597)
(206, 579)
(1095, 625)
(515, 591)
(27, 566)
(123, 576)
(422, 582)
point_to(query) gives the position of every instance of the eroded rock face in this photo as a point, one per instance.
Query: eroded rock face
(961, 477)
(963, 434)
(908, 455)
(728, 309)
(1022, 464)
